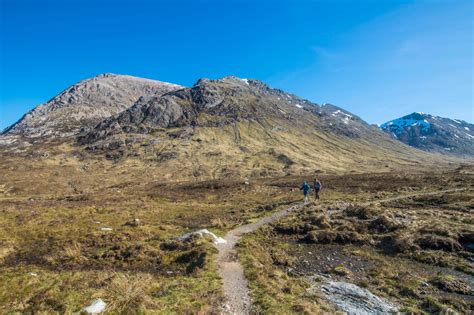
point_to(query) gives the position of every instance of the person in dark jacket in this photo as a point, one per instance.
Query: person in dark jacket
(306, 189)
(317, 188)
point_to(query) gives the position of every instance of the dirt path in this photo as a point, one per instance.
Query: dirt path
(231, 271)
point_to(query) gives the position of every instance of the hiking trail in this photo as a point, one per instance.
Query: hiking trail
(236, 291)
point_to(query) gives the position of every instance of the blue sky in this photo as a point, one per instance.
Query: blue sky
(377, 59)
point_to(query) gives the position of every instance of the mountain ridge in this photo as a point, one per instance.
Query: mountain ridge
(227, 100)
(228, 127)
(243, 127)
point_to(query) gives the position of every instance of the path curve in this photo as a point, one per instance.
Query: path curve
(236, 291)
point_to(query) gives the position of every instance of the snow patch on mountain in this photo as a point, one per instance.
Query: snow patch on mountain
(345, 117)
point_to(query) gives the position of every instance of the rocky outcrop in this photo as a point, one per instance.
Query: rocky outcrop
(353, 299)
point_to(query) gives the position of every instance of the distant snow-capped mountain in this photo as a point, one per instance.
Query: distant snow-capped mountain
(433, 133)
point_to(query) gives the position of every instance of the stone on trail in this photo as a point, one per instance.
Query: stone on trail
(106, 229)
(135, 222)
(98, 306)
(356, 300)
(201, 233)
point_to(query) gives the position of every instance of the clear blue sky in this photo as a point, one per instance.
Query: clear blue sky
(378, 59)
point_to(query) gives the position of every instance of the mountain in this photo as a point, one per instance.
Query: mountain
(230, 127)
(243, 127)
(85, 104)
(217, 103)
(433, 133)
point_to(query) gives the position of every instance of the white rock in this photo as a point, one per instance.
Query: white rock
(106, 229)
(356, 300)
(201, 233)
(219, 240)
(98, 306)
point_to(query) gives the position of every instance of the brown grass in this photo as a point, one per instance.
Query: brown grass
(129, 294)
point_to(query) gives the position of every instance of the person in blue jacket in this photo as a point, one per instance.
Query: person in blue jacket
(306, 189)
(317, 188)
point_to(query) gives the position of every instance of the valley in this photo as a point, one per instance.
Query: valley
(153, 198)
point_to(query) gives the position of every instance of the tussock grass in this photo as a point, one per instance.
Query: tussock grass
(129, 294)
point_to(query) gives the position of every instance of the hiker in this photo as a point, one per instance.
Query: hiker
(306, 189)
(317, 188)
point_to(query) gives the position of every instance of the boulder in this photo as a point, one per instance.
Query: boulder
(202, 233)
(353, 299)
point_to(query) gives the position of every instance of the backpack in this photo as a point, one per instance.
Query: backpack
(318, 185)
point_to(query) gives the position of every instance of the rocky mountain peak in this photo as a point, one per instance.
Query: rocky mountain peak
(107, 75)
(433, 133)
(85, 104)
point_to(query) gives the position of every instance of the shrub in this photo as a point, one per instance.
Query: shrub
(451, 284)
(338, 237)
(394, 244)
(322, 221)
(127, 294)
(361, 212)
(437, 242)
(384, 224)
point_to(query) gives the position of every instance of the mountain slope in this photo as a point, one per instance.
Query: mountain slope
(240, 127)
(433, 133)
(85, 104)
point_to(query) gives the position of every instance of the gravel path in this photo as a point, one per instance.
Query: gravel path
(231, 271)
